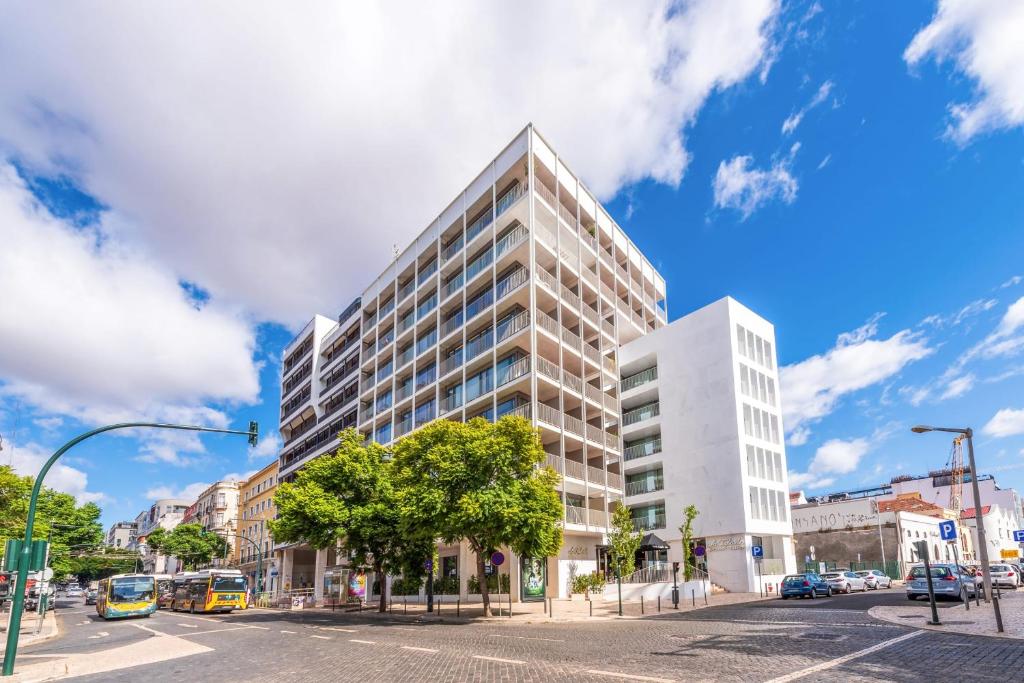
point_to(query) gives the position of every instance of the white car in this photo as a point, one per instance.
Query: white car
(875, 579)
(75, 592)
(845, 582)
(1004, 575)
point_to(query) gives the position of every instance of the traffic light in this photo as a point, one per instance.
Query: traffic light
(254, 432)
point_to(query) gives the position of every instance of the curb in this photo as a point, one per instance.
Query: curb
(876, 613)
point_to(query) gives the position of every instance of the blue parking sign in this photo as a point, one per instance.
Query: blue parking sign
(757, 551)
(1019, 536)
(947, 530)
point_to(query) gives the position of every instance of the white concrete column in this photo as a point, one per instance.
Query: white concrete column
(287, 563)
(318, 573)
(467, 568)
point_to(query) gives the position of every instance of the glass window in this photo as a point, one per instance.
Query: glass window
(760, 463)
(778, 466)
(750, 345)
(426, 340)
(503, 370)
(479, 384)
(748, 428)
(425, 412)
(762, 383)
(383, 433)
(769, 363)
(755, 509)
(751, 466)
(781, 497)
(744, 380)
(764, 503)
(757, 423)
(741, 341)
(775, 429)
(771, 392)
(507, 406)
(760, 351)
(426, 375)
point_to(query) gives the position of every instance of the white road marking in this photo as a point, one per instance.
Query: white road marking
(188, 625)
(292, 632)
(631, 677)
(148, 629)
(320, 637)
(83, 623)
(338, 628)
(262, 628)
(177, 615)
(832, 663)
(502, 635)
(419, 649)
(101, 634)
(499, 659)
(213, 630)
(365, 642)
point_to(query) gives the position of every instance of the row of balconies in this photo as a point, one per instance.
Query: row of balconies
(642, 448)
(641, 413)
(574, 469)
(639, 379)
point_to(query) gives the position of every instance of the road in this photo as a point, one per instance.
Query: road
(821, 640)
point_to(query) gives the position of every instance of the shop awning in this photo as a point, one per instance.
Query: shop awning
(652, 542)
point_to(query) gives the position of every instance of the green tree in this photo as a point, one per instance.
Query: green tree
(91, 566)
(350, 498)
(623, 542)
(190, 543)
(689, 561)
(480, 482)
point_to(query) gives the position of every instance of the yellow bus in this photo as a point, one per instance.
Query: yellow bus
(126, 595)
(211, 590)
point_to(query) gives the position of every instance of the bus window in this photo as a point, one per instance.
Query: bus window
(229, 584)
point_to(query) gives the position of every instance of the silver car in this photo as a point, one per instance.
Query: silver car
(948, 580)
(875, 579)
(845, 582)
(1004, 575)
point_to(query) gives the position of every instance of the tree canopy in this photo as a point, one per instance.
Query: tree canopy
(349, 497)
(189, 543)
(479, 481)
(623, 541)
(58, 515)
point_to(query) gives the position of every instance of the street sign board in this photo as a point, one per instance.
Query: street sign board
(757, 551)
(1018, 536)
(1009, 554)
(947, 530)
(497, 559)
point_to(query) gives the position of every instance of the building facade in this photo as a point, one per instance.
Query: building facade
(702, 425)
(165, 513)
(255, 510)
(122, 535)
(216, 510)
(515, 300)
(1000, 523)
(937, 487)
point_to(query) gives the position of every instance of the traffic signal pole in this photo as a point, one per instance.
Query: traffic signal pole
(24, 558)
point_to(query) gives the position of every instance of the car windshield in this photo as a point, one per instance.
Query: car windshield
(863, 573)
(832, 575)
(795, 577)
(229, 583)
(999, 568)
(131, 589)
(937, 572)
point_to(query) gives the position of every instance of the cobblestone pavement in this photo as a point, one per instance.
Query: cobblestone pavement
(822, 640)
(980, 619)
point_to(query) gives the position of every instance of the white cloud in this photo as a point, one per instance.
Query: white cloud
(738, 186)
(268, 447)
(29, 458)
(958, 387)
(1006, 422)
(984, 41)
(1004, 341)
(824, 162)
(188, 492)
(100, 332)
(274, 156)
(48, 424)
(812, 388)
(974, 308)
(794, 119)
(834, 457)
(1012, 282)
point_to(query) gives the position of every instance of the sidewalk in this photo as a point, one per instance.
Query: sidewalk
(537, 612)
(28, 635)
(978, 621)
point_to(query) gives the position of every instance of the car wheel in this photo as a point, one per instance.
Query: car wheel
(814, 594)
(785, 597)
(828, 592)
(911, 597)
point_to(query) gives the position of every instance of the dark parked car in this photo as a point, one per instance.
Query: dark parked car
(806, 584)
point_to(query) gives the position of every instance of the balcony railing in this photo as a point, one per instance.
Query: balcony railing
(509, 198)
(574, 425)
(642, 449)
(644, 412)
(510, 326)
(598, 518)
(595, 433)
(511, 240)
(451, 363)
(608, 328)
(450, 403)
(640, 378)
(609, 364)
(429, 270)
(479, 263)
(479, 304)
(407, 289)
(547, 368)
(575, 469)
(595, 475)
(480, 344)
(611, 440)
(649, 523)
(403, 427)
(511, 282)
(407, 322)
(547, 279)
(571, 339)
(575, 515)
(570, 297)
(594, 394)
(572, 381)
(554, 462)
(403, 392)
(552, 416)
(454, 285)
(545, 193)
(547, 323)
(452, 324)
(592, 354)
(636, 488)
(478, 225)
(614, 481)
(513, 372)
(590, 313)
(452, 249)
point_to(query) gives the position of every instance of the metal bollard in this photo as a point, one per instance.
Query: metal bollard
(591, 603)
(659, 604)
(458, 606)
(977, 597)
(405, 605)
(641, 604)
(551, 608)
(439, 601)
(967, 600)
(693, 597)
(999, 615)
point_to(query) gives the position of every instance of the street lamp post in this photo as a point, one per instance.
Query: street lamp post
(24, 558)
(979, 522)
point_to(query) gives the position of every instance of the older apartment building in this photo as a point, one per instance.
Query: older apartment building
(515, 300)
(216, 509)
(256, 508)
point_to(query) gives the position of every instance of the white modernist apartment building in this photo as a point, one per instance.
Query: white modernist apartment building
(702, 425)
(165, 513)
(521, 297)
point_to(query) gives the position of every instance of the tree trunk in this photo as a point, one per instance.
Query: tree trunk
(482, 578)
(382, 580)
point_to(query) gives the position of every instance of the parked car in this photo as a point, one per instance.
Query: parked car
(1004, 575)
(807, 584)
(90, 596)
(948, 580)
(875, 579)
(845, 582)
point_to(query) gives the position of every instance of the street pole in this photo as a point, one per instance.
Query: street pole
(24, 559)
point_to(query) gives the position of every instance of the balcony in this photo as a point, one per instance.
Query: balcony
(479, 263)
(450, 403)
(642, 449)
(509, 198)
(454, 285)
(637, 488)
(452, 325)
(426, 272)
(649, 523)
(407, 289)
(548, 280)
(479, 224)
(511, 282)
(451, 363)
(403, 427)
(594, 394)
(510, 326)
(570, 297)
(644, 412)
(639, 379)
(452, 249)
(406, 356)
(575, 515)
(511, 240)
(513, 372)
(479, 344)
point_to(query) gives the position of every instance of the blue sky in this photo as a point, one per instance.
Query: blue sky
(851, 171)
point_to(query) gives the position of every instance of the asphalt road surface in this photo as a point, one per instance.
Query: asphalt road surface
(821, 640)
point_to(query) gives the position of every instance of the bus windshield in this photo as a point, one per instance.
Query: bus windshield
(131, 589)
(229, 583)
